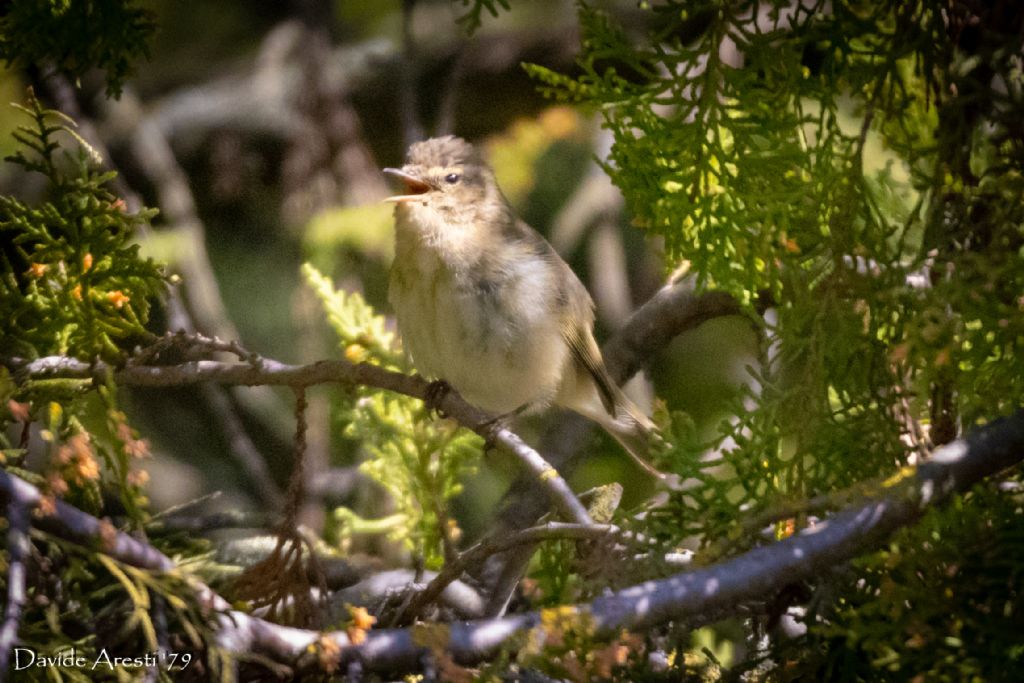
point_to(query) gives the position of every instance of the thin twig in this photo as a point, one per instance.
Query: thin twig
(227, 519)
(271, 372)
(454, 568)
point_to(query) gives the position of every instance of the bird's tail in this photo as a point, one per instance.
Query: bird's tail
(634, 431)
(623, 420)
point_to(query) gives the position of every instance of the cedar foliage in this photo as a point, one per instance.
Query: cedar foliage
(854, 167)
(857, 165)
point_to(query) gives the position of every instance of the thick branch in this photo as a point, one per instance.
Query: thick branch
(18, 513)
(717, 590)
(723, 588)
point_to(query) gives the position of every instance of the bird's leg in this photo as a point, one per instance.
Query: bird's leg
(435, 393)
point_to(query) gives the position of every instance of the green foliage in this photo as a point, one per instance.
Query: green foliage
(105, 609)
(472, 20)
(76, 36)
(419, 460)
(71, 281)
(941, 603)
(859, 166)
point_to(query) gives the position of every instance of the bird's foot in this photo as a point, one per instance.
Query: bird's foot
(492, 426)
(436, 392)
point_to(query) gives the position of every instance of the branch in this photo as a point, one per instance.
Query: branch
(178, 203)
(72, 524)
(716, 590)
(495, 544)
(725, 587)
(270, 372)
(675, 309)
(18, 512)
(456, 595)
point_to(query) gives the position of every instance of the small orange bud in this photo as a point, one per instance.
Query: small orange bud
(361, 618)
(138, 478)
(791, 246)
(329, 653)
(36, 270)
(559, 122)
(47, 506)
(119, 205)
(136, 448)
(86, 262)
(108, 534)
(76, 293)
(87, 469)
(56, 484)
(899, 353)
(118, 298)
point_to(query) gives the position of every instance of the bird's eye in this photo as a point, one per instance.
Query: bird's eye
(452, 178)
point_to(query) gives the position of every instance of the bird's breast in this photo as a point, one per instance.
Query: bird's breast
(481, 321)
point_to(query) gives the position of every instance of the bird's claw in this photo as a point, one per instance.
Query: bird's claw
(492, 426)
(435, 394)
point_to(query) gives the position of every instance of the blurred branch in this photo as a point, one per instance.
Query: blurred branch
(454, 568)
(157, 161)
(716, 590)
(241, 446)
(19, 510)
(451, 91)
(263, 101)
(385, 586)
(408, 100)
(227, 519)
(676, 308)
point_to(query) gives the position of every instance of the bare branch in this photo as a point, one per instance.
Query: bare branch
(495, 544)
(270, 372)
(18, 512)
(697, 596)
(227, 519)
(72, 524)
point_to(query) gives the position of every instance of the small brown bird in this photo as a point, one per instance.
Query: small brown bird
(486, 304)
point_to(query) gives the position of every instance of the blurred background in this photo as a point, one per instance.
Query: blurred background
(259, 129)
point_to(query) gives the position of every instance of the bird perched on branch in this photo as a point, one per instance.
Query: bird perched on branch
(485, 304)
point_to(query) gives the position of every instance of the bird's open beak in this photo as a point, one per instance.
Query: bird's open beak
(415, 187)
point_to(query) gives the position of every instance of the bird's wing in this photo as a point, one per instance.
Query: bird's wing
(584, 349)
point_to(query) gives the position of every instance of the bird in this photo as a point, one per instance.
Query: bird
(485, 305)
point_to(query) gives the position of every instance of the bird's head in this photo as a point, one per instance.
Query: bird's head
(445, 174)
